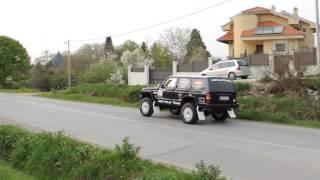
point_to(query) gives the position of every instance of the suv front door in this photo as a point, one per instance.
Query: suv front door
(166, 91)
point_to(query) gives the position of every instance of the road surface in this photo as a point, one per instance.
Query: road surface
(244, 150)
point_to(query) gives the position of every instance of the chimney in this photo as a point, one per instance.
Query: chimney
(296, 11)
(273, 8)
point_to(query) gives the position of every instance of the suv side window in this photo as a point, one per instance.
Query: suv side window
(183, 83)
(170, 83)
(197, 84)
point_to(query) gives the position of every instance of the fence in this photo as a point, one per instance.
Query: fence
(258, 59)
(157, 75)
(192, 67)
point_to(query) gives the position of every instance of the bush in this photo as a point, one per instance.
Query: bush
(54, 155)
(210, 172)
(100, 72)
(240, 87)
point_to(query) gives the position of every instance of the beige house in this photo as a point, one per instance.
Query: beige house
(262, 31)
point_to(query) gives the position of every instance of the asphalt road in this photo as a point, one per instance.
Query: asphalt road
(244, 150)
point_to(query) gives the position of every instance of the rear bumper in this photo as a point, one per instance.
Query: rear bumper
(212, 107)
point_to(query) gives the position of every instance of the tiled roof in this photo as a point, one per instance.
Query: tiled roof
(256, 10)
(287, 30)
(227, 37)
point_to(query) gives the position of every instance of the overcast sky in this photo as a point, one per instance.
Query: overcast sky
(45, 24)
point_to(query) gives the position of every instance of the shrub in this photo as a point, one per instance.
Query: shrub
(56, 156)
(242, 86)
(205, 172)
(100, 72)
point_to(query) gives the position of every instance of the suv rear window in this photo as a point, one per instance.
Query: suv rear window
(221, 85)
(242, 63)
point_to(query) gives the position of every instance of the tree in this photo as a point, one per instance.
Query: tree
(176, 39)
(100, 72)
(126, 46)
(196, 50)
(161, 55)
(14, 61)
(108, 48)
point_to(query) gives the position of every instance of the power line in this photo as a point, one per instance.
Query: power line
(158, 24)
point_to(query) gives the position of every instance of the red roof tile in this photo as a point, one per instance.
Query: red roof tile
(287, 30)
(227, 37)
(256, 10)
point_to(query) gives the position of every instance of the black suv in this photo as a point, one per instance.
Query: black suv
(194, 97)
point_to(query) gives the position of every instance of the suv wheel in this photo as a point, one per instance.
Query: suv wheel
(175, 111)
(189, 113)
(232, 76)
(146, 107)
(220, 116)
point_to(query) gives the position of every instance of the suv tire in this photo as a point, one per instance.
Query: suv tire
(220, 116)
(189, 113)
(175, 111)
(232, 76)
(146, 107)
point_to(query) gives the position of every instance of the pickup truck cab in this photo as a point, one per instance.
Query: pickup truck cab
(193, 97)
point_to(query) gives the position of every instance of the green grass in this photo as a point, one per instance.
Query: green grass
(280, 109)
(8, 173)
(19, 90)
(56, 156)
(90, 99)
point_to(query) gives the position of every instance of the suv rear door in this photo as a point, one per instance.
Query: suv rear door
(222, 91)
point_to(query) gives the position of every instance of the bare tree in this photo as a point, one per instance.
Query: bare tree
(176, 39)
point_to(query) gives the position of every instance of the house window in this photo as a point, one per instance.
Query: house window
(280, 47)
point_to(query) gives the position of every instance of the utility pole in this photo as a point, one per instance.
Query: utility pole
(318, 35)
(69, 73)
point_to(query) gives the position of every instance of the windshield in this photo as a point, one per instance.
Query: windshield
(221, 85)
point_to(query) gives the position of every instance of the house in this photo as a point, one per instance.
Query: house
(262, 31)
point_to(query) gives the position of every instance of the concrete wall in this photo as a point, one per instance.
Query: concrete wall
(138, 78)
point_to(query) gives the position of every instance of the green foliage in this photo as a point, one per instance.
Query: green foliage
(266, 79)
(8, 173)
(196, 50)
(313, 84)
(56, 156)
(14, 61)
(100, 72)
(161, 55)
(242, 86)
(210, 172)
(279, 109)
(123, 92)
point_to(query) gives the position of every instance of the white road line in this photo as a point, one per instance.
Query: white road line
(296, 148)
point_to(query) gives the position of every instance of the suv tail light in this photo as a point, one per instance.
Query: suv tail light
(238, 68)
(208, 98)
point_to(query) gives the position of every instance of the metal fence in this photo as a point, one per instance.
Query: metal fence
(258, 59)
(193, 67)
(157, 75)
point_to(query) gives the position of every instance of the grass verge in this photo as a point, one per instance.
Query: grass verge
(8, 173)
(86, 98)
(19, 90)
(56, 156)
(278, 109)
